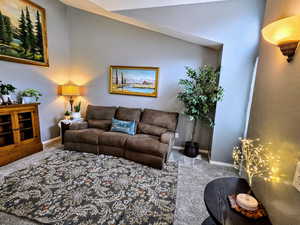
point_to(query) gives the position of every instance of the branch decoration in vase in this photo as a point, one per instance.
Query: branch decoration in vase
(254, 159)
(199, 93)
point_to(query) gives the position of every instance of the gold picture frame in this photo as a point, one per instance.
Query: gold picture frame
(134, 80)
(16, 15)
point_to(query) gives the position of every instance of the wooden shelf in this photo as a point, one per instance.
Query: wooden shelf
(19, 105)
(5, 133)
(27, 128)
(5, 123)
(25, 120)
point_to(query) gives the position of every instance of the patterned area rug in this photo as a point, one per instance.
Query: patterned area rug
(69, 188)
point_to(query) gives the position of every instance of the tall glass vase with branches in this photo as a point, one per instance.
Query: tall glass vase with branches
(199, 93)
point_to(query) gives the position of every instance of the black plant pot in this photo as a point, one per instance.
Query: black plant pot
(191, 149)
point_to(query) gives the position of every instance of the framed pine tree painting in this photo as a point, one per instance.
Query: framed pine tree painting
(23, 33)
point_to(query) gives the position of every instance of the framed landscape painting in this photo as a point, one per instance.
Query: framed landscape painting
(127, 80)
(23, 34)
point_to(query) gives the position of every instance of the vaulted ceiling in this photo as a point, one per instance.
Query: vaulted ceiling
(93, 6)
(117, 5)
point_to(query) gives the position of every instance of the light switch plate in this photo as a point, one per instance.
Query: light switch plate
(296, 182)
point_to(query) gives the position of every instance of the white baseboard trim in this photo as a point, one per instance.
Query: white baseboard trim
(220, 163)
(178, 147)
(51, 140)
(204, 151)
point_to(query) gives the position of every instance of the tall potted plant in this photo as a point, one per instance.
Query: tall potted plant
(199, 93)
(5, 91)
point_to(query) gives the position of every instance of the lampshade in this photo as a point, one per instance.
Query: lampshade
(70, 90)
(283, 31)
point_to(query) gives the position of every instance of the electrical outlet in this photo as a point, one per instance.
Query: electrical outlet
(296, 182)
(176, 135)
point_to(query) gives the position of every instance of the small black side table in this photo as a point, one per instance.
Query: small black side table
(217, 204)
(64, 128)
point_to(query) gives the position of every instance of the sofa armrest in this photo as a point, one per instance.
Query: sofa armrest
(169, 139)
(79, 125)
(74, 126)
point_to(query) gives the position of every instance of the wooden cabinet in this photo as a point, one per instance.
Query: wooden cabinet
(19, 132)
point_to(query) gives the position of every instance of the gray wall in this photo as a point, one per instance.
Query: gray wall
(91, 43)
(43, 78)
(236, 23)
(98, 42)
(275, 118)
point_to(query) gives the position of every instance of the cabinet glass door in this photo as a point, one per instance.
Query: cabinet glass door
(25, 126)
(6, 130)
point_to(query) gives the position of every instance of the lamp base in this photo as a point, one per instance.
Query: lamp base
(289, 49)
(71, 103)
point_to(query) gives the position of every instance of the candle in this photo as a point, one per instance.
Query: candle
(247, 202)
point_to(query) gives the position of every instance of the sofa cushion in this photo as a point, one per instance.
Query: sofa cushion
(113, 139)
(87, 136)
(160, 118)
(144, 128)
(100, 124)
(146, 159)
(81, 147)
(79, 125)
(146, 136)
(127, 127)
(100, 112)
(147, 146)
(128, 114)
(111, 150)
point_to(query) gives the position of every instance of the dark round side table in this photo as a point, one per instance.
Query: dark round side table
(217, 204)
(209, 221)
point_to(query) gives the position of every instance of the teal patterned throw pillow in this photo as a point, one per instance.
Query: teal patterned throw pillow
(128, 127)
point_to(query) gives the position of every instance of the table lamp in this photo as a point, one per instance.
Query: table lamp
(70, 90)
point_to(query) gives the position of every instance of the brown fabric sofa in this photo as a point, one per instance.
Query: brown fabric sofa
(150, 146)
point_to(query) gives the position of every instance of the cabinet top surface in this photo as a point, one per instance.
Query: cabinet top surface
(18, 105)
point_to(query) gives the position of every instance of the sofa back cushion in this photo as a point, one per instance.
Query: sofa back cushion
(162, 119)
(100, 124)
(100, 116)
(144, 128)
(128, 114)
(100, 112)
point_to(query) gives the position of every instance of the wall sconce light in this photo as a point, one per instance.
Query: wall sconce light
(285, 34)
(70, 91)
